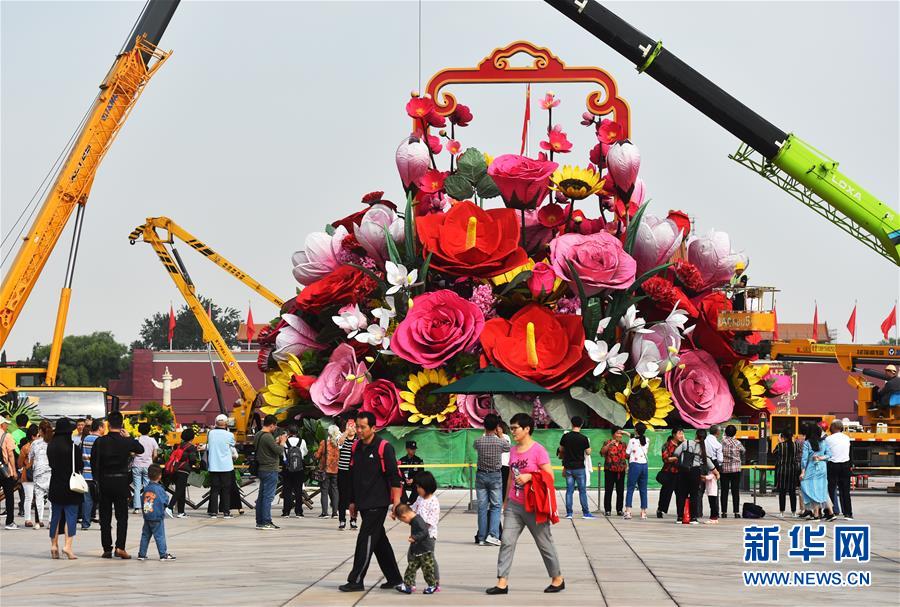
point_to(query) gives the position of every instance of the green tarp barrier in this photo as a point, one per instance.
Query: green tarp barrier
(440, 447)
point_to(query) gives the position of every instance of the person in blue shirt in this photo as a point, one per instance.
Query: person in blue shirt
(154, 501)
(814, 474)
(220, 463)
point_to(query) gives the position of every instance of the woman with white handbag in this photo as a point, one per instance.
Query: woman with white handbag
(67, 487)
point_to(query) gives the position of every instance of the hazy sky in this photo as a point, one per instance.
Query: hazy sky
(272, 119)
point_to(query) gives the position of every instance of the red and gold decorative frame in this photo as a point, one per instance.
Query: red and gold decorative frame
(546, 67)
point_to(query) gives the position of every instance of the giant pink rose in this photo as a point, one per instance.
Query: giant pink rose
(339, 386)
(699, 391)
(475, 407)
(599, 260)
(382, 398)
(440, 325)
(523, 182)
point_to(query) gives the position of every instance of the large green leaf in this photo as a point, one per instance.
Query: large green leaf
(486, 187)
(393, 253)
(562, 408)
(399, 432)
(471, 166)
(458, 187)
(603, 406)
(631, 230)
(423, 271)
(409, 230)
(507, 406)
(518, 279)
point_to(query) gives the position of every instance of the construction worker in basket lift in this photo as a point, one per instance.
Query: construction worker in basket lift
(889, 393)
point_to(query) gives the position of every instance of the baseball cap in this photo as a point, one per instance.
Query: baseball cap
(411, 444)
(3, 420)
(887, 368)
(221, 417)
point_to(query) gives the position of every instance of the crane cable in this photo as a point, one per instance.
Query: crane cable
(44, 185)
(54, 168)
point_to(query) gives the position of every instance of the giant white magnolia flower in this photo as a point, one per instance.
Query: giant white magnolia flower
(399, 277)
(648, 364)
(376, 334)
(371, 231)
(605, 356)
(350, 319)
(319, 258)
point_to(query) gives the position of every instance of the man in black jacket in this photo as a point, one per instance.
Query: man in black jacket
(374, 489)
(109, 467)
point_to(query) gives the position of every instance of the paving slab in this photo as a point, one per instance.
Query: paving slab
(606, 561)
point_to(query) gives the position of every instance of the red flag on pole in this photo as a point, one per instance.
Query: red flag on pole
(250, 330)
(816, 324)
(527, 118)
(851, 324)
(775, 332)
(171, 325)
(889, 322)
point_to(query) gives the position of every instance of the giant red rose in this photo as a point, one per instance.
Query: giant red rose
(346, 285)
(539, 346)
(470, 241)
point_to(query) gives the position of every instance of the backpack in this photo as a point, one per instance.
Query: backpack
(750, 510)
(686, 459)
(174, 462)
(381, 447)
(294, 459)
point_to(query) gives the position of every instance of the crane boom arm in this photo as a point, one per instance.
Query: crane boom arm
(797, 167)
(118, 95)
(179, 275)
(174, 231)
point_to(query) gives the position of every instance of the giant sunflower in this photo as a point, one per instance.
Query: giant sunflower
(646, 401)
(576, 183)
(747, 384)
(422, 405)
(278, 394)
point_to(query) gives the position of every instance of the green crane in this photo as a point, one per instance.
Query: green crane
(795, 166)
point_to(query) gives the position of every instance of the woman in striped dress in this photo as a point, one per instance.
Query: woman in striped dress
(786, 472)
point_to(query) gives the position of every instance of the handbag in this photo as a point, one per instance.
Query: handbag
(4, 469)
(196, 479)
(76, 481)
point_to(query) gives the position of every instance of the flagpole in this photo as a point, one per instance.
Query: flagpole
(167, 328)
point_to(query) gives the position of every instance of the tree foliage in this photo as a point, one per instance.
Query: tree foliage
(85, 360)
(187, 335)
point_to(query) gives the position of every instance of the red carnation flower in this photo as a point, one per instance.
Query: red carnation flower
(666, 295)
(689, 275)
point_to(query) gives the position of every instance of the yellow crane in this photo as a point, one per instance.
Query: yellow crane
(122, 86)
(161, 233)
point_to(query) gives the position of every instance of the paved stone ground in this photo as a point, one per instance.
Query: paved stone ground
(605, 562)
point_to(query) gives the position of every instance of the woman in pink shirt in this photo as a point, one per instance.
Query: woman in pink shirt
(526, 458)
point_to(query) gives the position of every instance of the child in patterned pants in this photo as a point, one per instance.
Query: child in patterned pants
(421, 552)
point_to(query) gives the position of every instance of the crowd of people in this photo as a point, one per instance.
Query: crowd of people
(91, 470)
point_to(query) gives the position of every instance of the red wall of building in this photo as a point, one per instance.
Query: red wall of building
(195, 400)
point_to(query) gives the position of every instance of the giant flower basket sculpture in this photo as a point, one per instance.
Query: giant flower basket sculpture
(553, 268)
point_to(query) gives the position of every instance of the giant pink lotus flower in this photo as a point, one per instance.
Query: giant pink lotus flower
(296, 337)
(320, 257)
(523, 182)
(439, 325)
(370, 231)
(412, 159)
(623, 162)
(657, 239)
(382, 398)
(662, 335)
(699, 392)
(599, 260)
(714, 259)
(341, 383)
(475, 407)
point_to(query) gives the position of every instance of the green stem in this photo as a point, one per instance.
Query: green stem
(425, 137)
